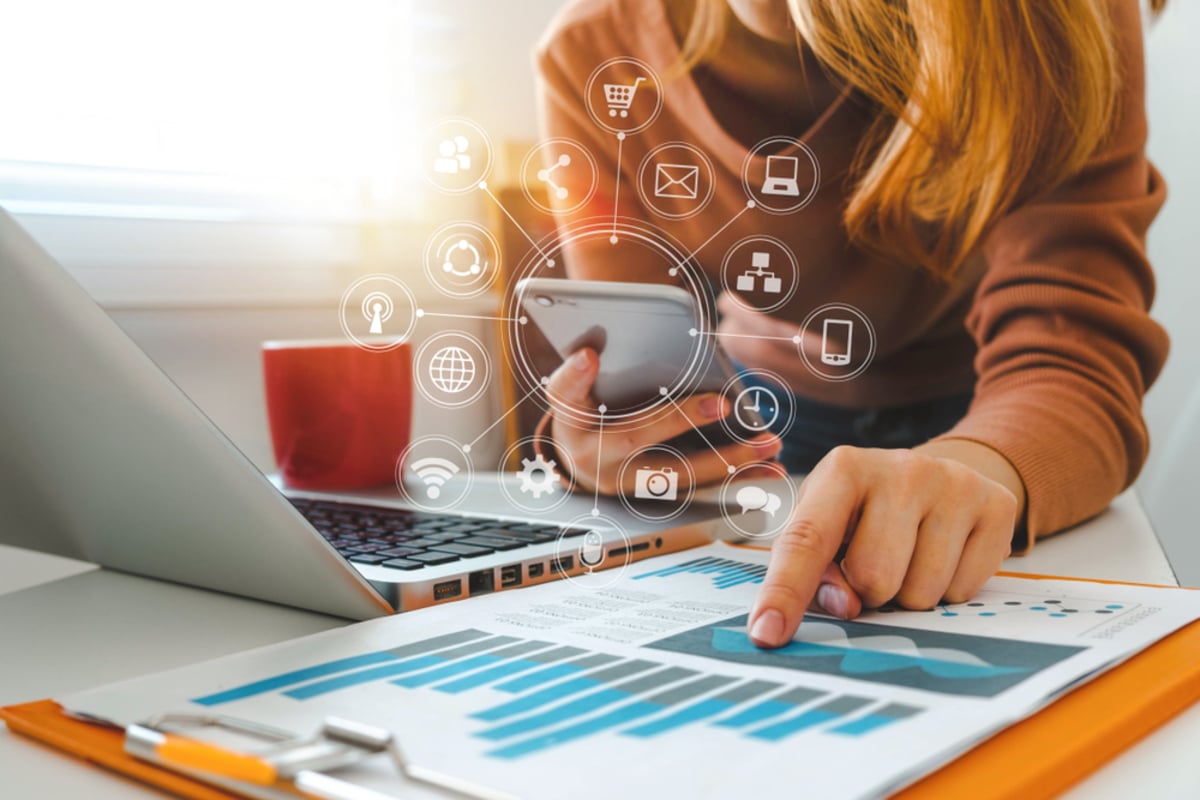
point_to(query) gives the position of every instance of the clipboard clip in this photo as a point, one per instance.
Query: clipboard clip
(301, 761)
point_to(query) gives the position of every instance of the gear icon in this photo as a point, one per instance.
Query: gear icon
(537, 476)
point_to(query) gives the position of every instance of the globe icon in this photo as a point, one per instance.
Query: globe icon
(452, 369)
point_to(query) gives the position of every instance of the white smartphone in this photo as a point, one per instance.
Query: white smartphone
(647, 335)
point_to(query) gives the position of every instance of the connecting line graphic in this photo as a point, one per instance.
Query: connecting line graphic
(793, 339)
(617, 189)
(423, 313)
(466, 448)
(484, 188)
(599, 451)
(728, 467)
(749, 205)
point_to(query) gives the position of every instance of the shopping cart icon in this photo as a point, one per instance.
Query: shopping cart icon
(619, 96)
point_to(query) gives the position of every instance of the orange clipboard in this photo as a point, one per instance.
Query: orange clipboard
(1039, 757)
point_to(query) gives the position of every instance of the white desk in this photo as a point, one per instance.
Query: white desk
(93, 627)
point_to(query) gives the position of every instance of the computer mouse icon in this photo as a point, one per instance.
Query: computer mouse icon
(591, 550)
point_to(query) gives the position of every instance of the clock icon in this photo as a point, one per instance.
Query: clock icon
(756, 408)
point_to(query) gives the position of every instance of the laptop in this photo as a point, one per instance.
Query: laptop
(103, 458)
(782, 176)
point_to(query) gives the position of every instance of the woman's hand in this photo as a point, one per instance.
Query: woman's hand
(597, 457)
(919, 526)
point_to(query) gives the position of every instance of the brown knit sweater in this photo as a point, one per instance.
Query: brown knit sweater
(1048, 322)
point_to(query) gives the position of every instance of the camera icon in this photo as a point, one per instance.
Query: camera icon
(656, 484)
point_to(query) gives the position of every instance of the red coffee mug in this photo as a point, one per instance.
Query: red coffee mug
(340, 415)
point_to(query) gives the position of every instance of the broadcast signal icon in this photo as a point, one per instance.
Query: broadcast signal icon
(377, 307)
(433, 472)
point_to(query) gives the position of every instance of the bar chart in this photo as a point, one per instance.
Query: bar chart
(551, 694)
(725, 573)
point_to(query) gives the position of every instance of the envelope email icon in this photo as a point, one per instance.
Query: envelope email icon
(681, 181)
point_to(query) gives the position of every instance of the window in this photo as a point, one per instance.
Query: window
(172, 151)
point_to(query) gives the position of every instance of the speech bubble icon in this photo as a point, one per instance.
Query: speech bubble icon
(753, 498)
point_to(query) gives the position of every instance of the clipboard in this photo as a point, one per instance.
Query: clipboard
(1039, 757)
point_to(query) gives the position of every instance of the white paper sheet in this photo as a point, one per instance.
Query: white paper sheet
(642, 683)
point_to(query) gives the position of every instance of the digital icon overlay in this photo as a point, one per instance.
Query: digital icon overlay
(760, 273)
(377, 312)
(434, 473)
(559, 176)
(836, 342)
(456, 155)
(755, 504)
(656, 483)
(676, 180)
(452, 369)
(462, 259)
(540, 481)
(760, 402)
(781, 175)
(623, 95)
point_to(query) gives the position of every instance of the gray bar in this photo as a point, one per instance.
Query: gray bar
(425, 645)
(799, 696)
(680, 694)
(594, 660)
(557, 654)
(843, 705)
(615, 673)
(476, 647)
(747, 691)
(897, 711)
(657, 679)
(519, 649)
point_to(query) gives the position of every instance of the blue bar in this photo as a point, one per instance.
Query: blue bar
(785, 728)
(291, 678)
(532, 701)
(563, 713)
(684, 567)
(362, 676)
(541, 676)
(864, 724)
(614, 718)
(756, 713)
(685, 716)
(487, 676)
(448, 671)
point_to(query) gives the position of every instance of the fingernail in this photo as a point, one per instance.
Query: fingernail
(768, 627)
(712, 406)
(580, 360)
(833, 599)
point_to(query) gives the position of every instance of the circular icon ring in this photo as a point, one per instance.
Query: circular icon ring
(547, 174)
(679, 174)
(781, 175)
(737, 502)
(448, 373)
(618, 98)
(462, 259)
(839, 330)
(762, 403)
(654, 482)
(376, 306)
(533, 373)
(458, 155)
(550, 475)
(760, 275)
(587, 560)
(434, 482)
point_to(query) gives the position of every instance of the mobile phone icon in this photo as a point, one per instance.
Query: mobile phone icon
(837, 342)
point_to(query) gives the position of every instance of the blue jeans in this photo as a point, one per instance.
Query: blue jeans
(818, 427)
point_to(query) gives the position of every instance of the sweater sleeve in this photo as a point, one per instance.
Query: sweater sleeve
(1066, 347)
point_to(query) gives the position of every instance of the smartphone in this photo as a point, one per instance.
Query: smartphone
(648, 337)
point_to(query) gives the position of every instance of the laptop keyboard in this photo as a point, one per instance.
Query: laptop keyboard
(410, 540)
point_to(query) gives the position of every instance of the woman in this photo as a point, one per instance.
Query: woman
(984, 200)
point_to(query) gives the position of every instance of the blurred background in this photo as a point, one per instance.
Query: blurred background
(216, 173)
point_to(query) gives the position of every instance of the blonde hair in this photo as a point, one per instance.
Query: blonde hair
(984, 104)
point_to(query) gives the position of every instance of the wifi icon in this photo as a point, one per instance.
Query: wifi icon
(433, 472)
